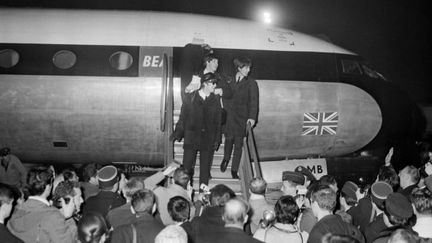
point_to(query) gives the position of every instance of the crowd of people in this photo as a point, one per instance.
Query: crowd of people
(98, 203)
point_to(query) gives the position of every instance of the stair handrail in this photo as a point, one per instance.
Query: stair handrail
(249, 171)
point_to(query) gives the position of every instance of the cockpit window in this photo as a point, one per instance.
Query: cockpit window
(121, 60)
(351, 67)
(64, 59)
(372, 73)
(8, 58)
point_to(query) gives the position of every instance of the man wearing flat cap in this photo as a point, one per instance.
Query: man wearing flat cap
(290, 181)
(107, 198)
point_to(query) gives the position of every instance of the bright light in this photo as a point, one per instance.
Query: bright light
(267, 17)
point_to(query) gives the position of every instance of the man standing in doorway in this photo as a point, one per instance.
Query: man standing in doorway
(242, 109)
(200, 125)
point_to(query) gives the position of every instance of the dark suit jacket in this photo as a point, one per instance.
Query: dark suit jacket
(199, 122)
(242, 106)
(209, 221)
(7, 237)
(147, 228)
(103, 202)
(225, 235)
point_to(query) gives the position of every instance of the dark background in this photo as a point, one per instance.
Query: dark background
(392, 34)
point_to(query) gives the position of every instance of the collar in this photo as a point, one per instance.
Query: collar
(256, 197)
(40, 199)
(203, 96)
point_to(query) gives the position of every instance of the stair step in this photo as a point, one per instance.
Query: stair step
(234, 184)
(215, 172)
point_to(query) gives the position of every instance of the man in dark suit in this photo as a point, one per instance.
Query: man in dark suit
(200, 125)
(107, 198)
(234, 217)
(241, 109)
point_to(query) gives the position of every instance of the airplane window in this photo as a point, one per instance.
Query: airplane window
(351, 67)
(121, 60)
(372, 73)
(64, 59)
(8, 58)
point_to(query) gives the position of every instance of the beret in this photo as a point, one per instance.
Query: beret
(306, 172)
(350, 189)
(379, 191)
(107, 176)
(398, 205)
(292, 176)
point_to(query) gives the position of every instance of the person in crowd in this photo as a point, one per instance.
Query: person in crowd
(348, 200)
(323, 203)
(67, 174)
(428, 179)
(403, 236)
(389, 175)
(309, 177)
(234, 216)
(307, 219)
(68, 190)
(421, 199)
(179, 209)
(146, 226)
(284, 229)
(370, 208)
(335, 238)
(89, 183)
(290, 182)
(258, 202)
(179, 187)
(172, 234)
(408, 178)
(6, 205)
(242, 109)
(211, 216)
(12, 171)
(37, 221)
(125, 213)
(397, 214)
(200, 125)
(92, 228)
(107, 198)
(330, 181)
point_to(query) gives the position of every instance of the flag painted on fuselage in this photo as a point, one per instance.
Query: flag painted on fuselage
(320, 123)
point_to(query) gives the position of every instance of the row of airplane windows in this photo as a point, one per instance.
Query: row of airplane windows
(65, 59)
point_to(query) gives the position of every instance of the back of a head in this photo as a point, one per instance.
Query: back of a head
(335, 238)
(235, 211)
(327, 180)
(89, 171)
(172, 234)
(258, 186)
(325, 197)
(132, 185)
(220, 194)
(286, 210)
(389, 175)
(181, 177)
(6, 194)
(5, 151)
(421, 198)
(63, 190)
(143, 201)
(413, 173)
(179, 209)
(91, 228)
(37, 179)
(403, 236)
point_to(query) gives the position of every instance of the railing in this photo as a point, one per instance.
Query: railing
(249, 169)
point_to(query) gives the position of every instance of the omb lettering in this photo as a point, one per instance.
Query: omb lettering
(315, 169)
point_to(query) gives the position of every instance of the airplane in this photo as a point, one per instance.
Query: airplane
(82, 86)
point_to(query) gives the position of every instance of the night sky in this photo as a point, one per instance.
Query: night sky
(391, 34)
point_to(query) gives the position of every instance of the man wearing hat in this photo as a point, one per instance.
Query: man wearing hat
(200, 125)
(290, 181)
(107, 198)
(12, 171)
(309, 177)
(347, 200)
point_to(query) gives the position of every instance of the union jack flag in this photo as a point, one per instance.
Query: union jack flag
(320, 123)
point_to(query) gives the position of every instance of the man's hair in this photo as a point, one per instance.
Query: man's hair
(208, 58)
(220, 194)
(389, 175)
(422, 200)
(179, 209)
(143, 201)
(37, 179)
(89, 171)
(68, 173)
(6, 194)
(413, 173)
(181, 177)
(235, 211)
(172, 234)
(132, 185)
(403, 236)
(286, 210)
(327, 180)
(336, 238)
(258, 186)
(63, 190)
(91, 227)
(348, 199)
(325, 197)
(240, 62)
